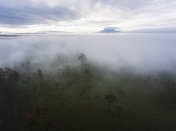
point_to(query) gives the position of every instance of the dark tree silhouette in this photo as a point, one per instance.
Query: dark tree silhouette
(8, 82)
(110, 98)
(83, 59)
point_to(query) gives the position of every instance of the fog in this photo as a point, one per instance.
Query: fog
(145, 52)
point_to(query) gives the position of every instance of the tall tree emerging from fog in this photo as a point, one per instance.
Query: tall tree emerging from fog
(82, 58)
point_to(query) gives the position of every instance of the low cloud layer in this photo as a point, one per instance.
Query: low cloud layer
(139, 52)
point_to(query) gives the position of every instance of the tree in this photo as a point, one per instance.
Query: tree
(83, 59)
(9, 80)
(110, 98)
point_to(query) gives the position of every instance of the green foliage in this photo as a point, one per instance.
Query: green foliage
(85, 98)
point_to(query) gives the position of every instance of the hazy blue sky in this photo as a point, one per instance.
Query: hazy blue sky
(85, 15)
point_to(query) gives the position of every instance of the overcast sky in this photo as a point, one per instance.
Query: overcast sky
(85, 15)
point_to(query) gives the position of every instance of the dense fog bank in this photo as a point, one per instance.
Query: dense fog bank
(137, 52)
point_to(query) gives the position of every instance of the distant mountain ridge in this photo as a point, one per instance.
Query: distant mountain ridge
(110, 30)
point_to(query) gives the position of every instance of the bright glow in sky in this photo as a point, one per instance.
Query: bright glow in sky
(85, 15)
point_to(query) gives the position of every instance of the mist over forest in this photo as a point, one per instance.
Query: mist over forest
(139, 52)
(96, 82)
(87, 65)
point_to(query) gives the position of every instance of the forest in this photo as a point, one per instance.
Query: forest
(85, 97)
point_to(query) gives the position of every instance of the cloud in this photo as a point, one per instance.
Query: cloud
(141, 52)
(34, 15)
(88, 15)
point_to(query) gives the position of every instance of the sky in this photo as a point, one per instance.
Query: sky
(85, 16)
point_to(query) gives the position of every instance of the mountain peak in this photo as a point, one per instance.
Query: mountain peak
(110, 30)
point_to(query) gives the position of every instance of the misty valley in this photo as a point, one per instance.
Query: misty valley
(124, 82)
